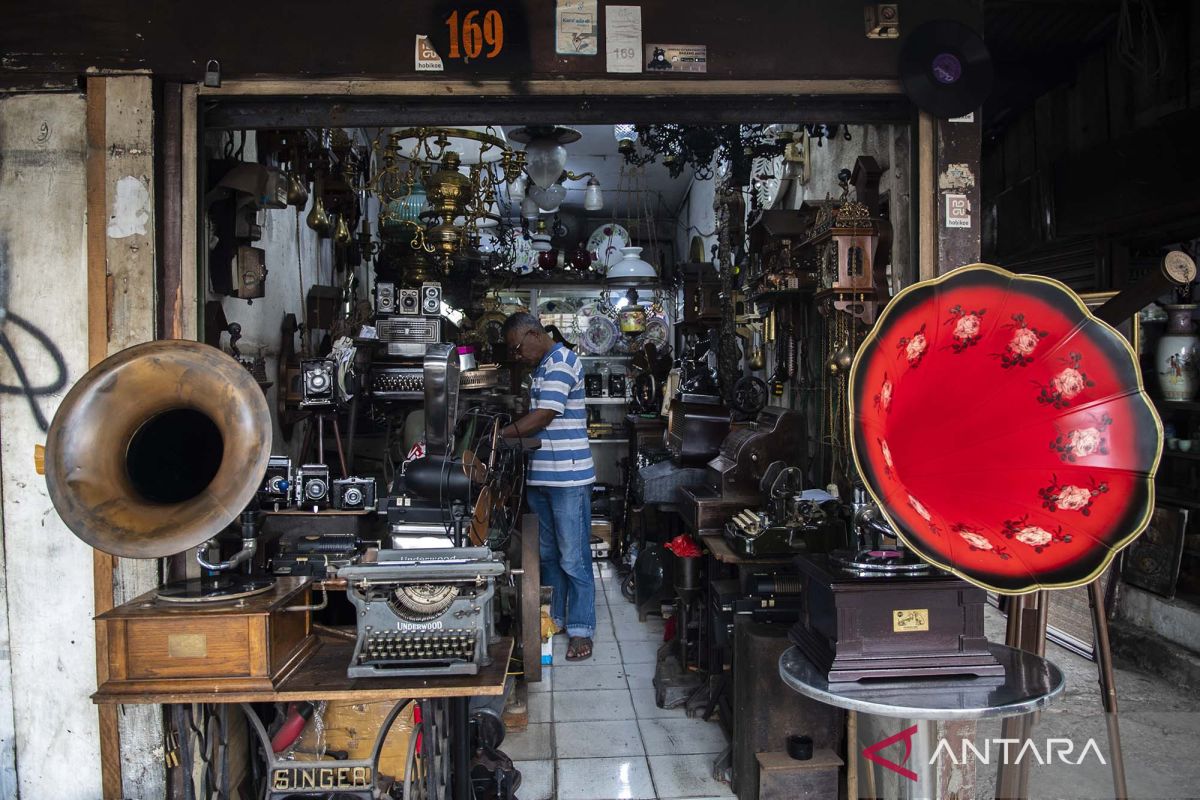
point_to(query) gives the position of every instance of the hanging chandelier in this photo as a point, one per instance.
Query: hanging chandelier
(546, 168)
(455, 174)
(698, 146)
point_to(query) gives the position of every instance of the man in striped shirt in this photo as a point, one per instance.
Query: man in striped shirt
(560, 476)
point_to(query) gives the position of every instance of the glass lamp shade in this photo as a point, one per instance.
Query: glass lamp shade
(529, 208)
(545, 160)
(489, 146)
(631, 270)
(549, 198)
(593, 197)
(516, 189)
(625, 133)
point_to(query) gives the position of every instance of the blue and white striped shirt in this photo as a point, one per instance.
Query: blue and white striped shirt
(564, 459)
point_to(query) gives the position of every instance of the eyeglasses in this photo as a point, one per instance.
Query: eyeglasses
(517, 350)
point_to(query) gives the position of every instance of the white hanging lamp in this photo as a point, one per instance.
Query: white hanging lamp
(632, 270)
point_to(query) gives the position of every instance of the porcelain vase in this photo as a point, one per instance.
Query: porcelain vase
(1176, 357)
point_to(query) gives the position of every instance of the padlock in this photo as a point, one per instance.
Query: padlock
(212, 74)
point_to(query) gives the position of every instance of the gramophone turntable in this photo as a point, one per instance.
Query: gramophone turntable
(877, 611)
(145, 458)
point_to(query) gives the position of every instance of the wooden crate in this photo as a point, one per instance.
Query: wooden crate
(149, 646)
(780, 777)
(352, 726)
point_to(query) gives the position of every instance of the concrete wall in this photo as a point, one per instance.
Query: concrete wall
(48, 725)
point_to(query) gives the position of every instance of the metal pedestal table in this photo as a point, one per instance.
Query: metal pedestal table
(903, 713)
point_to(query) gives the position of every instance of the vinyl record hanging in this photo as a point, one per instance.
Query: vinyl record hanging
(946, 69)
(1004, 430)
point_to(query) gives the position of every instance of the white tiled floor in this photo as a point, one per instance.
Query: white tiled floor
(595, 733)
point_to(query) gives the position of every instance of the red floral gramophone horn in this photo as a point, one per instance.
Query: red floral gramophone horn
(1004, 430)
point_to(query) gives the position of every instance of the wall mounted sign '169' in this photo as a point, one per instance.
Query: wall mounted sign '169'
(474, 30)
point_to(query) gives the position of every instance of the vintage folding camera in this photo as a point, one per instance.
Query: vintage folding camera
(408, 301)
(277, 486)
(353, 493)
(431, 299)
(316, 382)
(385, 297)
(616, 385)
(593, 385)
(312, 485)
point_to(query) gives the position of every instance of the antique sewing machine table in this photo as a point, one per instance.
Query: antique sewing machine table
(322, 676)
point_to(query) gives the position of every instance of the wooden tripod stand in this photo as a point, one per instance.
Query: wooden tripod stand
(1027, 617)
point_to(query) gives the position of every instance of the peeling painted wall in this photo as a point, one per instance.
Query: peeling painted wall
(48, 652)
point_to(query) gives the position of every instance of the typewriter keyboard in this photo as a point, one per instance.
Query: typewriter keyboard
(397, 381)
(449, 644)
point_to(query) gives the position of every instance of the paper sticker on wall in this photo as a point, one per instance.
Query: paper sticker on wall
(427, 58)
(662, 58)
(623, 38)
(131, 209)
(576, 28)
(958, 211)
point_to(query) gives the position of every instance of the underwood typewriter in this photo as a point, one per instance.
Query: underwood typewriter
(423, 612)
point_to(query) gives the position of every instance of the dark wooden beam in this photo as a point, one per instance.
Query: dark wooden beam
(755, 40)
(318, 113)
(170, 209)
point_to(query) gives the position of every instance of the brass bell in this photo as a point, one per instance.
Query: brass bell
(341, 231)
(318, 220)
(297, 192)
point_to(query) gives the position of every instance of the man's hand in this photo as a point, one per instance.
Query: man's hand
(531, 424)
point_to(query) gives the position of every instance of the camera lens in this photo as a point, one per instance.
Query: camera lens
(352, 497)
(315, 489)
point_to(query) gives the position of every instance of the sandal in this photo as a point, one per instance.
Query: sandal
(579, 648)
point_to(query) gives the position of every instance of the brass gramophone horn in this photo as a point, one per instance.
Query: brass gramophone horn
(157, 448)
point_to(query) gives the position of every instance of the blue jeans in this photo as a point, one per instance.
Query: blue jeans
(564, 536)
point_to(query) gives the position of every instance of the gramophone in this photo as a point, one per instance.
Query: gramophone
(156, 450)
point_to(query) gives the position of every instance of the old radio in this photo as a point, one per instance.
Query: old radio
(408, 336)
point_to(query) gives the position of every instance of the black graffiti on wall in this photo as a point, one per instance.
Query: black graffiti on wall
(10, 320)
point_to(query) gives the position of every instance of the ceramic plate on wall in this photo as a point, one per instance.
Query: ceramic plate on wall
(605, 245)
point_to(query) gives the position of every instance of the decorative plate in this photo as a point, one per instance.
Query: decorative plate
(1004, 430)
(605, 245)
(657, 333)
(599, 335)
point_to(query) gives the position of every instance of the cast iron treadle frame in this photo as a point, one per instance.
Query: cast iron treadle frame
(428, 773)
